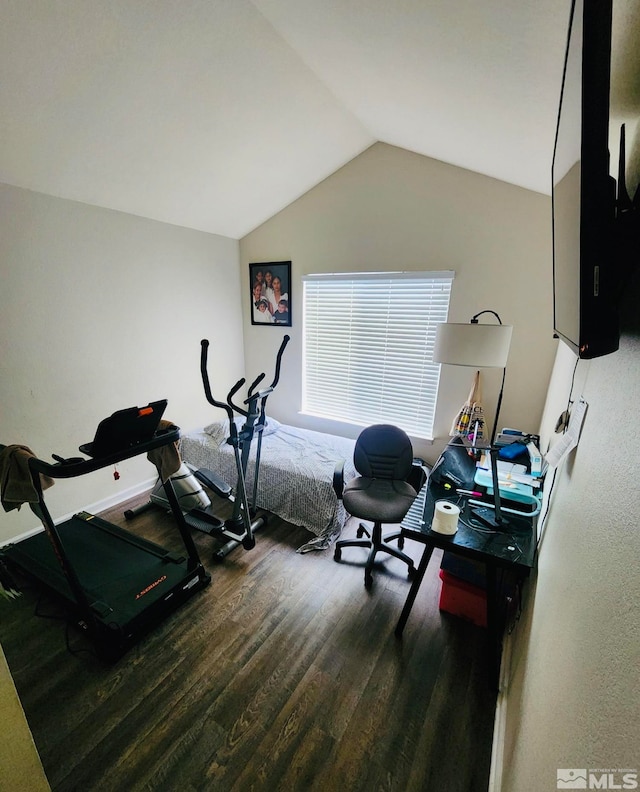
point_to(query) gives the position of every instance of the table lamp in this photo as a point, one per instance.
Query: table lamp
(479, 346)
(476, 345)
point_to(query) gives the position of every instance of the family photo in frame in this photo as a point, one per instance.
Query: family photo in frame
(271, 293)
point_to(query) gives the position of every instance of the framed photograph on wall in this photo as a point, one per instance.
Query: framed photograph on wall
(270, 284)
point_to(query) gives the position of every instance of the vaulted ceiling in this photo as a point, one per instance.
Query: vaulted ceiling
(216, 114)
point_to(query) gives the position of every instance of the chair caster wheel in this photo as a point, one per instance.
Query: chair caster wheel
(368, 580)
(360, 532)
(337, 554)
(412, 573)
(401, 543)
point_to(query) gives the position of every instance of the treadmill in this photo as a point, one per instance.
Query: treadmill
(115, 585)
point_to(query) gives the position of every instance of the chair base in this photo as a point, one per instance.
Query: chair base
(377, 544)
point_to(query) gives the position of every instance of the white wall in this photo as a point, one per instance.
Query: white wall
(101, 310)
(573, 698)
(393, 209)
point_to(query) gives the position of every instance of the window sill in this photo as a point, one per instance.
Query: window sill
(321, 423)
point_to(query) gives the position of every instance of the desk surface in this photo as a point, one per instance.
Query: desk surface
(515, 547)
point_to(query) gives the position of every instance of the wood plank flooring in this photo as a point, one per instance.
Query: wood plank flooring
(283, 674)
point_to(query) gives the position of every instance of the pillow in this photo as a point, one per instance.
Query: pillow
(219, 431)
(271, 427)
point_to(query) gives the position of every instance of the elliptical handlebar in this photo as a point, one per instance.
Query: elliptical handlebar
(263, 394)
(204, 350)
(232, 393)
(283, 346)
(229, 406)
(256, 381)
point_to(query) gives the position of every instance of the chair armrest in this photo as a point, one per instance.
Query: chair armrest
(338, 479)
(417, 477)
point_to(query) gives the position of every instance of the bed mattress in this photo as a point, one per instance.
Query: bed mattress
(295, 479)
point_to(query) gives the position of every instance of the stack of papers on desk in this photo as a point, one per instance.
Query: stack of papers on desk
(510, 489)
(508, 472)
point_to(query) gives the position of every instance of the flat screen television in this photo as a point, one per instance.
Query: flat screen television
(583, 191)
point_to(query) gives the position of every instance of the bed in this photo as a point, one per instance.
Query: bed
(296, 473)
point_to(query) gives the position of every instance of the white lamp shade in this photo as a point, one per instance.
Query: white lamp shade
(477, 345)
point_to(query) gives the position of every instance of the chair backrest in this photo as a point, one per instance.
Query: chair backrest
(383, 451)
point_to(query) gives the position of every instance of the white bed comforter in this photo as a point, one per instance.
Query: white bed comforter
(296, 474)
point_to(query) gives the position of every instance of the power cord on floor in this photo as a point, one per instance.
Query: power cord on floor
(60, 617)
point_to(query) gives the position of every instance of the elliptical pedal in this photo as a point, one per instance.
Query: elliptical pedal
(210, 526)
(214, 527)
(214, 482)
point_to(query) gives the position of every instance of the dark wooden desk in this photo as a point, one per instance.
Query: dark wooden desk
(513, 549)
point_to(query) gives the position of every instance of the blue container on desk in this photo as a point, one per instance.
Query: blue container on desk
(509, 489)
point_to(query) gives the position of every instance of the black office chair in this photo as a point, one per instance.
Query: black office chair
(383, 456)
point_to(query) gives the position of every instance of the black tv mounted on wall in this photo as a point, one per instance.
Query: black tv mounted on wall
(585, 246)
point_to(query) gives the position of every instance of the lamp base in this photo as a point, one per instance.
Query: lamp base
(489, 518)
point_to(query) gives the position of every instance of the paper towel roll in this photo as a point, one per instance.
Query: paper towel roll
(445, 518)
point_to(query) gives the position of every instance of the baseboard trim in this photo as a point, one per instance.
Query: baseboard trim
(99, 506)
(500, 722)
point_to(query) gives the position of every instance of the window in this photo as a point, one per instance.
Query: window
(368, 347)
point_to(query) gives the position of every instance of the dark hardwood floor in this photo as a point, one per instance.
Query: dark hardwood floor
(283, 674)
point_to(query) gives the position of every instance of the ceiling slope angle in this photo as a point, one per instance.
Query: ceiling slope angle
(473, 84)
(191, 113)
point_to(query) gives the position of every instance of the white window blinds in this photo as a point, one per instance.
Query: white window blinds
(368, 347)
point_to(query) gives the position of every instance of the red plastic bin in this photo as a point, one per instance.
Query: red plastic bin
(463, 599)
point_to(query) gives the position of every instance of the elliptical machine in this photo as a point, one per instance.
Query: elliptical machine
(239, 528)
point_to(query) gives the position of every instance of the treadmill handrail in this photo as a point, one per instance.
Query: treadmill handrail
(77, 467)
